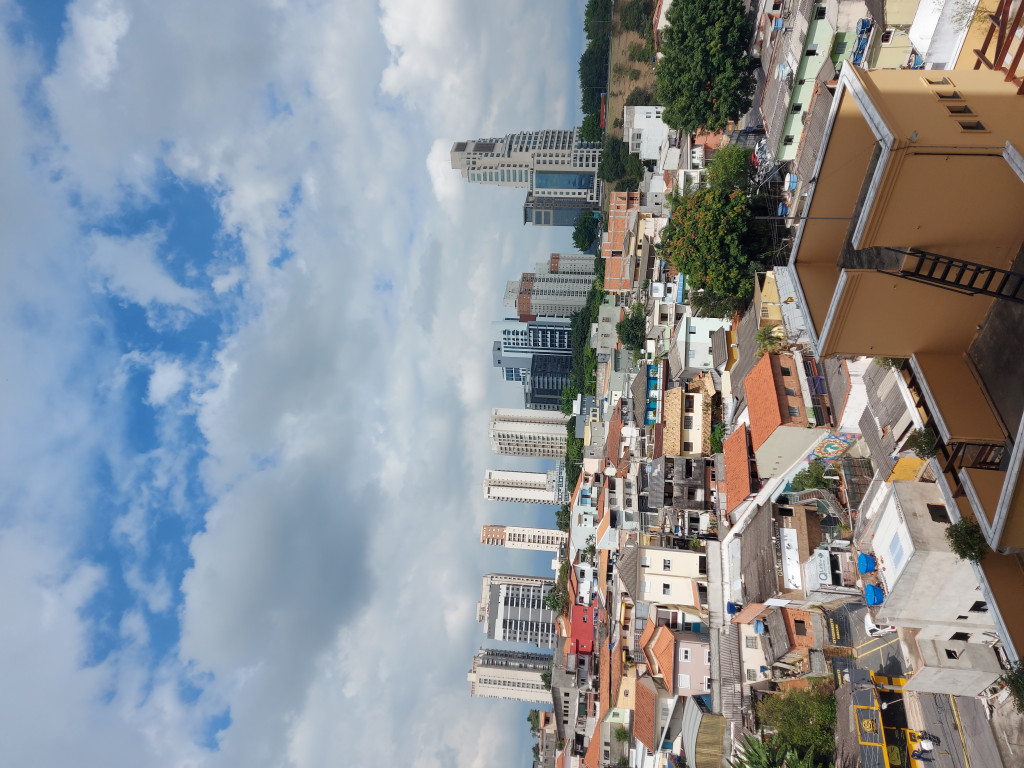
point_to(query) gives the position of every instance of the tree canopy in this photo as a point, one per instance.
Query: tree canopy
(967, 540)
(713, 239)
(804, 720)
(585, 232)
(632, 329)
(729, 168)
(705, 77)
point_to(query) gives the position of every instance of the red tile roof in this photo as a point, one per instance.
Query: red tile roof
(616, 265)
(762, 401)
(593, 756)
(611, 449)
(581, 626)
(661, 656)
(645, 710)
(737, 468)
(604, 702)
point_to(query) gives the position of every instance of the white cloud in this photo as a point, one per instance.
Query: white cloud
(343, 429)
(167, 379)
(130, 268)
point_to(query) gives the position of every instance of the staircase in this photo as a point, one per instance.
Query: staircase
(961, 276)
(818, 494)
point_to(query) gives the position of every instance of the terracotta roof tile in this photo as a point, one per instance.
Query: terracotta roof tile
(644, 712)
(750, 612)
(605, 690)
(737, 468)
(648, 633)
(614, 437)
(616, 664)
(672, 416)
(602, 569)
(560, 759)
(592, 758)
(762, 401)
(662, 652)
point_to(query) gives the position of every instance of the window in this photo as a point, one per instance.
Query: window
(707, 656)
(840, 48)
(800, 627)
(938, 513)
(950, 96)
(692, 329)
(951, 654)
(584, 617)
(645, 561)
(787, 141)
(684, 654)
(687, 447)
(666, 565)
(961, 636)
(939, 81)
(707, 683)
(971, 125)
(819, 12)
(682, 682)
(961, 618)
(666, 588)
(785, 371)
(797, 108)
(790, 392)
(751, 641)
(979, 607)
(688, 422)
(645, 587)
(752, 674)
(887, 36)
(959, 109)
(794, 412)
(691, 353)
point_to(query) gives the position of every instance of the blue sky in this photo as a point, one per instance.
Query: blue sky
(246, 374)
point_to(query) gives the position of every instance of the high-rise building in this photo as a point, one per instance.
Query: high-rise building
(558, 170)
(512, 675)
(528, 433)
(512, 609)
(516, 537)
(527, 487)
(538, 354)
(557, 288)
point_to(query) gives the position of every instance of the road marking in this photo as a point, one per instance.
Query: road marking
(880, 647)
(960, 730)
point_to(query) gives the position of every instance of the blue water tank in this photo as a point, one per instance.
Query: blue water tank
(873, 595)
(732, 608)
(777, 25)
(783, 209)
(865, 563)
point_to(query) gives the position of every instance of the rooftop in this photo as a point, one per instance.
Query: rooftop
(738, 483)
(762, 401)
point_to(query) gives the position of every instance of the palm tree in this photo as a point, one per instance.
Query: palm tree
(758, 754)
(769, 341)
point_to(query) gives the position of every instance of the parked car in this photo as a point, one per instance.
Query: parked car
(874, 630)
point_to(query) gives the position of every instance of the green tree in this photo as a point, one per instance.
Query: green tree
(803, 720)
(768, 340)
(640, 97)
(536, 752)
(562, 517)
(713, 239)
(923, 442)
(593, 77)
(585, 232)
(892, 363)
(545, 678)
(612, 165)
(533, 718)
(705, 77)
(632, 329)
(558, 600)
(637, 16)
(597, 21)
(729, 169)
(812, 476)
(1013, 678)
(717, 436)
(591, 129)
(622, 734)
(759, 754)
(705, 303)
(967, 540)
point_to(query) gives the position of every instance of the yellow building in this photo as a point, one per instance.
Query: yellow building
(910, 246)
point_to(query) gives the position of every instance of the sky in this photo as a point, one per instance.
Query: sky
(246, 309)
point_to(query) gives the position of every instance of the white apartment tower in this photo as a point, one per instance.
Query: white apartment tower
(528, 433)
(517, 537)
(511, 675)
(557, 288)
(526, 487)
(557, 168)
(512, 609)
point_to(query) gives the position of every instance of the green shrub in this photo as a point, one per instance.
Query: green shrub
(967, 540)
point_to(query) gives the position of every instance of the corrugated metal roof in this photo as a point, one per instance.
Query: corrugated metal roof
(719, 348)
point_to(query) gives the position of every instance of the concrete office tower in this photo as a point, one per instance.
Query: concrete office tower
(550, 291)
(516, 537)
(538, 354)
(512, 609)
(510, 675)
(528, 433)
(527, 487)
(557, 169)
